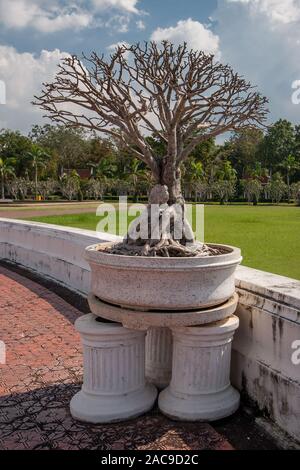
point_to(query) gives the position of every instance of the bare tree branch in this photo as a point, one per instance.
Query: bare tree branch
(179, 95)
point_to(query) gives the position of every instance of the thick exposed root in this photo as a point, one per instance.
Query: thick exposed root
(157, 230)
(163, 248)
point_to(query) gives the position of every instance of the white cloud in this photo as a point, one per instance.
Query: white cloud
(49, 16)
(140, 25)
(112, 48)
(17, 13)
(44, 16)
(118, 23)
(279, 11)
(126, 5)
(23, 74)
(61, 22)
(197, 36)
(260, 39)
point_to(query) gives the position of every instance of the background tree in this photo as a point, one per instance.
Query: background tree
(244, 150)
(137, 176)
(252, 190)
(37, 158)
(68, 146)
(278, 144)
(15, 146)
(103, 169)
(224, 187)
(95, 189)
(276, 189)
(47, 187)
(224, 190)
(295, 189)
(192, 175)
(191, 97)
(290, 165)
(70, 185)
(6, 170)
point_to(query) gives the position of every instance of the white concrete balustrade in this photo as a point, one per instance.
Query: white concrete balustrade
(268, 311)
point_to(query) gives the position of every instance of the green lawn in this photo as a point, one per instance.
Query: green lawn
(269, 236)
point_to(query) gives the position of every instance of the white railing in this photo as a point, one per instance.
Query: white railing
(265, 358)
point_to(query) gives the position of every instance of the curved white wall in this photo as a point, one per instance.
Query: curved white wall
(50, 250)
(269, 312)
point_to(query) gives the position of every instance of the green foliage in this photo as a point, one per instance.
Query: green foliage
(6, 171)
(278, 144)
(53, 150)
(243, 150)
(95, 189)
(276, 189)
(70, 185)
(296, 192)
(252, 190)
(224, 190)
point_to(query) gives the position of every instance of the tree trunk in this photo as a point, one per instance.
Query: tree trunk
(2, 187)
(36, 181)
(171, 177)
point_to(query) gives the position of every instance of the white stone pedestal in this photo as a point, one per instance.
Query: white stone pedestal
(159, 356)
(200, 387)
(114, 385)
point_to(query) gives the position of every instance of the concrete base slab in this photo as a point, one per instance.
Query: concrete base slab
(210, 407)
(109, 409)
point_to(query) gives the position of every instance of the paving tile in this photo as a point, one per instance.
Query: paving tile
(44, 370)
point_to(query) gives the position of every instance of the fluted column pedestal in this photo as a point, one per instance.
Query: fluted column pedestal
(114, 386)
(200, 387)
(159, 349)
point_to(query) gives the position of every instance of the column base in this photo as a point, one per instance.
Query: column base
(159, 346)
(205, 407)
(110, 409)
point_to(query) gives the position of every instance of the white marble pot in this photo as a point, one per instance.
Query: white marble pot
(149, 283)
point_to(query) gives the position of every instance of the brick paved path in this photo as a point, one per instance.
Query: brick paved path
(43, 371)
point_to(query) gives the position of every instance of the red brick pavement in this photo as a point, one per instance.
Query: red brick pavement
(43, 371)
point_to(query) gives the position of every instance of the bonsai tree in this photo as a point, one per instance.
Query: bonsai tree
(180, 96)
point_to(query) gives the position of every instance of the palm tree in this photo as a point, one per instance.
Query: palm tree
(224, 187)
(137, 175)
(194, 175)
(226, 172)
(290, 165)
(38, 158)
(103, 169)
(6, 169)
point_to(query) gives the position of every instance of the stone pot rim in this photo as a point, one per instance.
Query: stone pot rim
(95, 255)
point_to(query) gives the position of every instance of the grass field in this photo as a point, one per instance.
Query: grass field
(269, 236)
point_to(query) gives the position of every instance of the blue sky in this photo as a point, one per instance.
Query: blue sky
(153, 13)
(259, 38)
